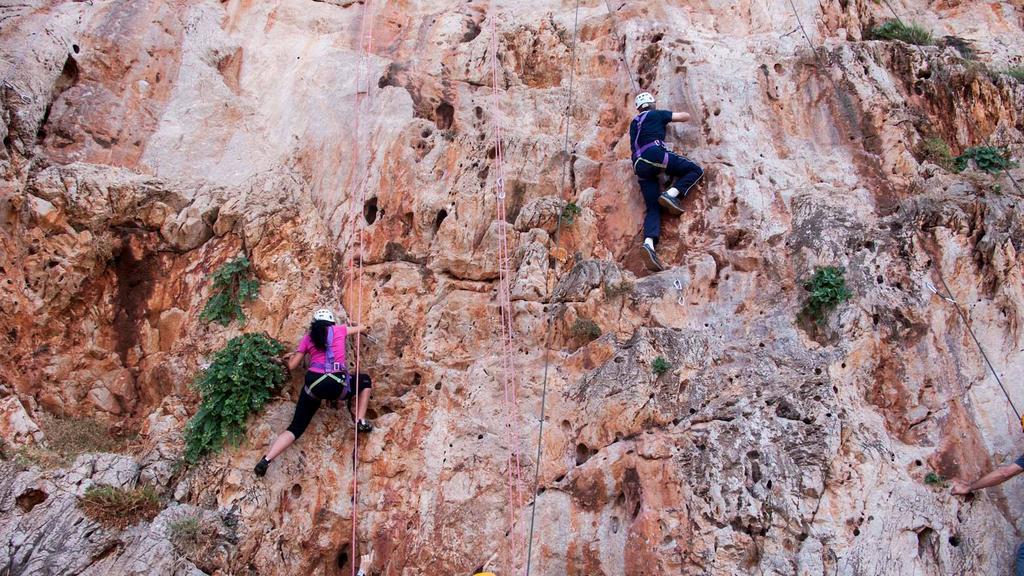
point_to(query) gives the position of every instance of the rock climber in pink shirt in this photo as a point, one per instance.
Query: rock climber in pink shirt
(326, 379)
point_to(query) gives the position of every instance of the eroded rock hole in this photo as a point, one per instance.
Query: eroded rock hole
(370, 210)
(441, 215)
(296, 491)
(444, 116)
(30, 498)
(343, 557)
(583, 453)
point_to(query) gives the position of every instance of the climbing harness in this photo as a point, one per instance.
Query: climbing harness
(331, 368)
(639, 150)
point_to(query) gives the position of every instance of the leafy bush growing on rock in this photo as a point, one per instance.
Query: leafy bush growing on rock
(233, 285)
(119, 507)
(1015, 72)
(238, 382)
(991, 159)
(828, 290)
(896, 30)
(660, 366)
(570, 212)
(586, 329)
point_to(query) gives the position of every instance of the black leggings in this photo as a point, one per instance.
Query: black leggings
(328, 389)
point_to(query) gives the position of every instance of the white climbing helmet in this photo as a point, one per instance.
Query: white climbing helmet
(323, 314)
(643, 98)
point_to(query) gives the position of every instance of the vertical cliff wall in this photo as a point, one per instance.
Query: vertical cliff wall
(146, 143)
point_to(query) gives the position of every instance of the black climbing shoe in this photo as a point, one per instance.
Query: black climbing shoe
(673, 205)
(364, 426)
(261, 467)
(651, 258)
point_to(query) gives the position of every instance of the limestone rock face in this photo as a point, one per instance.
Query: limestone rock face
(348, 150)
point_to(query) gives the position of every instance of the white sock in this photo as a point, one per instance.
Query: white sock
(649, 242)
(672, 192)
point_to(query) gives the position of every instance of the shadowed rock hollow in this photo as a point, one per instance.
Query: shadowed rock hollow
(146, 143)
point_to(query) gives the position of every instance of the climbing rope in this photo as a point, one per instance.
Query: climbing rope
(622, 57)
(355, 276)
(949, 298)
(552, 241)
(949, 293)
(509, 376)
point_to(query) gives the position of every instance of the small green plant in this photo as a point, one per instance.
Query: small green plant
(570, 212)
(120, 507)
(896, 30)
(233, 285)
(586, 329)
(238, 382)
(1015, 72)
(660, 366)
(937, 151)
(933, 479)
(616, 289)
(828, 290)
(991, 159)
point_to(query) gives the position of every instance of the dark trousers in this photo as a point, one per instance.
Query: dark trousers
(329, 389)
(685, 173)
(1019, 568)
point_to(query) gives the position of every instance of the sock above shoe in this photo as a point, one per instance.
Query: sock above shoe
(672, 192)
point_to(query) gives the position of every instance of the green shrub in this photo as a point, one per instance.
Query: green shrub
(896, 30)
(119, 507)
(828, 289)
(937, 151)
(933, 479)
(660, 366)
(233, 285)
(586, 329)
(570, 212)
(991, 159)
(238, 382)
(1015, 72)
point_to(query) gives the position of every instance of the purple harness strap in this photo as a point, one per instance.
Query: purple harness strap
(330, 365)
(638, 150)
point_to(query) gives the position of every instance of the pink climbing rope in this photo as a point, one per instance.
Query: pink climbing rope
(509, 377)
(355, 276)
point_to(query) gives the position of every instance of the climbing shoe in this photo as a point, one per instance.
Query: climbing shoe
(261, 467)
(364, 426)
(651, 258)
(673, 205)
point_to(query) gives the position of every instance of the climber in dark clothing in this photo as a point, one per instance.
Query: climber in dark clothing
(326, 379)
(650, 159)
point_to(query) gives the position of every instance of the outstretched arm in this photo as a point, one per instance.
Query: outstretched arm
(680, 117)
(294, 360)
(993, 478)
(358, 328)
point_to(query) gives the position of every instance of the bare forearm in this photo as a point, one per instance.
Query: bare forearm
(995, 477)
(294, 360)
(680, 117)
